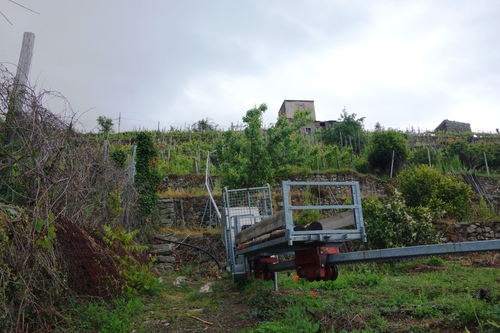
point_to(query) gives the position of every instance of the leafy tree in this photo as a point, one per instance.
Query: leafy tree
(256, 157)
(348, 130)
(381, 148)
(204, 125)
(423, 186)
(105, 125)
(285, 144)
(231, 157)
(258, 163)
(243, 159)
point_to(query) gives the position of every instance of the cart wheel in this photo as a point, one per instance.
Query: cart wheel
(335, 272)
(331, 273)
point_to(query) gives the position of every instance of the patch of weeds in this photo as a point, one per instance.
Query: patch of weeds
(365, 278)
(189, 269)
(412, 266)
(117, 316)
(426, 311)
(260, 297)
(296, 320)
(202, 300)
(467, 312)
(433, 293)
(435, 261)
(379, 323)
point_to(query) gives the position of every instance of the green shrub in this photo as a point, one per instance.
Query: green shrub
(485, 212)
(421, 156)
(383, 146)
(394, 224)
(119, 157)
(115, 317)
(423, 186)
(361, 165)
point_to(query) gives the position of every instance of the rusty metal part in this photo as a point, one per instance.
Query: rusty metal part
(260, 267)
(311, 263)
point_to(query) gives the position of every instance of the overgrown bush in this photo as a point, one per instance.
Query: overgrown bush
(423, 186)
(384, 148)
(347, 132)
(51, 171)
(422, 156)
(392, 223)
(119, 157)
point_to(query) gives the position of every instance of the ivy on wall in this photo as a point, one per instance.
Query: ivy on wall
(147, 176)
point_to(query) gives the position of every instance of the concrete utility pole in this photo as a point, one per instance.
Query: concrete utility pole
(17, 94)
(24, 65)
(20, 81)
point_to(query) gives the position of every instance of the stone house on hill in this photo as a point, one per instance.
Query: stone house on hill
(289, 107)
(453, 126)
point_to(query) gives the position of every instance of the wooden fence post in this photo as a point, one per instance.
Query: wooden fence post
(486, 163)
(392, 163)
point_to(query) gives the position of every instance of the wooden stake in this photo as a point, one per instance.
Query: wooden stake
(392, 163)
(486, 163)
(199, 319)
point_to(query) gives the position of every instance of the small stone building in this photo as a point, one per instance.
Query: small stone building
(289, 107)
(453, 126)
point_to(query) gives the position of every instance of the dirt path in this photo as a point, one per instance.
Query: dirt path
(184, 309)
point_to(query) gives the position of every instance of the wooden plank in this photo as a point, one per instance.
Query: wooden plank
(272, 223)
(339, 221)
(261, 239)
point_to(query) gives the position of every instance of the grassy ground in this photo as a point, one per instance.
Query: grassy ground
(459, 294)
(455, 294)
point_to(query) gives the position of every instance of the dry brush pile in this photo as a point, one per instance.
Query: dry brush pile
(57, 187)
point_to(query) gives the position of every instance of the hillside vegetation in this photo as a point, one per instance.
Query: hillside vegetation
(76, 207)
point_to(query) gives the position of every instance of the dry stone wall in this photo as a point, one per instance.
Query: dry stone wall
(193, 212)
(469, 231)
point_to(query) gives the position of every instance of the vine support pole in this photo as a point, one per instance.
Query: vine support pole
(486, 163)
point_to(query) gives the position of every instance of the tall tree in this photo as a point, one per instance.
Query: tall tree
(244, 161)
(383, 146)
(348, 131)
(256, 156)
(285, 145)
(204, 125)
(105, 125)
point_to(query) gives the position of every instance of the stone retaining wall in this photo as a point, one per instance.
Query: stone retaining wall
(189, 212)
(469, 231)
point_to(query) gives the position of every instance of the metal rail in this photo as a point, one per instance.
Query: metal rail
(209, 189)
(399, 253)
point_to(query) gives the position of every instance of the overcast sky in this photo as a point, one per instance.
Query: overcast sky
(400, 63)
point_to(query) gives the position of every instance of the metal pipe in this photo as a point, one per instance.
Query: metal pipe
(192, 246)
(399, 253)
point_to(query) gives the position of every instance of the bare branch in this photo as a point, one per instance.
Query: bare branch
(5, 17)
(31, 10)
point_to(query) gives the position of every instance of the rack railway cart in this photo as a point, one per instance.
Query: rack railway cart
(255, 237)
